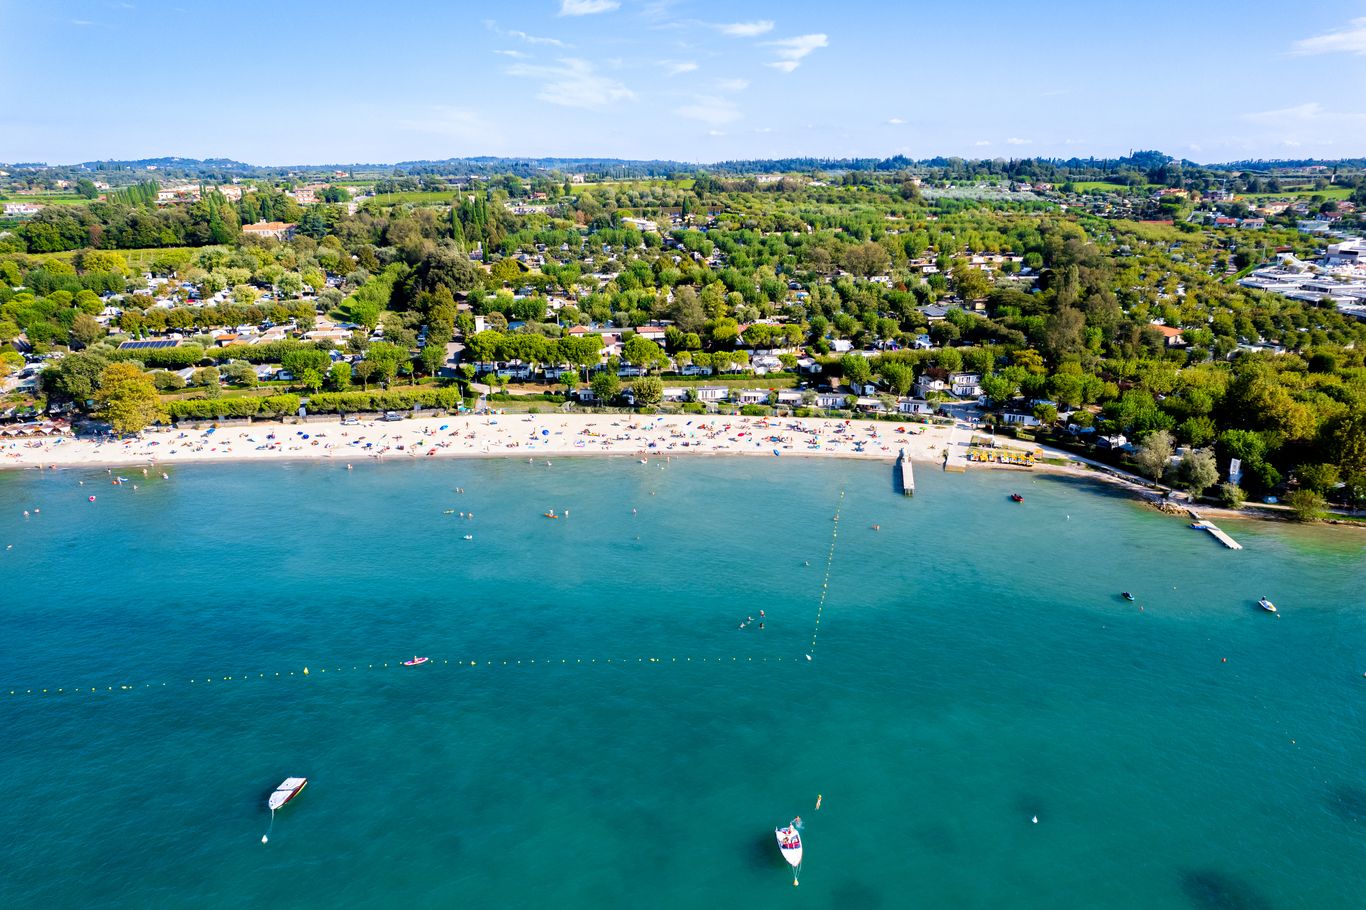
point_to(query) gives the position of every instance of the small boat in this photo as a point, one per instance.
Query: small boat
(790, 843)
(1016, 497)
(1266, 605)
(416, 661)
(469, 537)
(551, 514)
(1127, 596)
(286, 791)
(283, 794)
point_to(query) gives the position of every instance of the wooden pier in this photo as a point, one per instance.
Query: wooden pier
(905, 473)
(1214, 529)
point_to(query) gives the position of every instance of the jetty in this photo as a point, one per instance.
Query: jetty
(1219, 535)
(905, 474)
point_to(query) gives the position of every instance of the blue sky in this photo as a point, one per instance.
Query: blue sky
(323, 81)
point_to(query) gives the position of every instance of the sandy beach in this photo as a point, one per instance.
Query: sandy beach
(529, 436)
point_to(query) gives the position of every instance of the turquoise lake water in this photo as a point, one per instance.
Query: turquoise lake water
(975, 668)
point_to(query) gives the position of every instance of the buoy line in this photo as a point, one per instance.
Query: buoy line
(467, 663)
(825, 582)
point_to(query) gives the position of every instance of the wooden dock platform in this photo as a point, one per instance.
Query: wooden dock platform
(905, 473)
(1214, 529)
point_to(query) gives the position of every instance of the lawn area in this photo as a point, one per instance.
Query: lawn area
(1333, 192)
(420, 197)
(138, 260)
(1087, 186)
(49, 199)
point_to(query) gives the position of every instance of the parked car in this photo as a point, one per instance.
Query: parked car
(392, 416)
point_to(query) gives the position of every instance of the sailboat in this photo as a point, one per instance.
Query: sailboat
(790, 843)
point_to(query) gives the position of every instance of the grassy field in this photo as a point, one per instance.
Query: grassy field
(48, 199)
(138, 260)
(1086, 186)
(420, 197)
(1333, 192)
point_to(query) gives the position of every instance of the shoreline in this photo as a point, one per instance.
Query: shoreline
(560, 435)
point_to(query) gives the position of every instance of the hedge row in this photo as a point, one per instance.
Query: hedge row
(239, 406)
(379, 400)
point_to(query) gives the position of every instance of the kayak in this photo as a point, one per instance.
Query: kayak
(416, 661)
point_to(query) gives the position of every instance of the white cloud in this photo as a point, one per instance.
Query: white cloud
(678, 67)
(791, 51)
(1016, 140)
(586, 7)
(83, 23)
(895, 121)
(1310, 115)
(1301, 113)
(492, 26)
(746, 29)
(536, 39)
(715, 133)
(710, 110)
(572, 83)
(516, 55)
(732, 85)
(1348, 40)
(452, 123)
(981, 142)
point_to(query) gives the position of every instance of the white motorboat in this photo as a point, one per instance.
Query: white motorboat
(289, 789)
(286, 791)
(790, 843)
(1266, 605)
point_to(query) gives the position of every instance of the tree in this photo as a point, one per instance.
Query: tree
(301, 360)
(102, 261)
(365, 370)
(86, 330)
(856, 369)
(76, 377)
(648, 391)
(970, 283)
(239, 372)
(432, 358)
(312, 379)
(1154, 452)
(127, 399)
(999, 388)
(1231, 496)
(1306, 505)
(898, 376)
(867, 259)
(291, 284)
(386, 357)
(1197, 471)
(643, 353)
(605, 385)
(582, 351)
(339, 375)
(1321, 478)
(1047, 413)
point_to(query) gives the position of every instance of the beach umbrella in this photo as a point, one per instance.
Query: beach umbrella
(545, 432)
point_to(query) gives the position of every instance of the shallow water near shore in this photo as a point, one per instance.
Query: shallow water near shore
(975, 668)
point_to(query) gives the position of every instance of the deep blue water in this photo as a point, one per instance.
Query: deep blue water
(975, 668)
